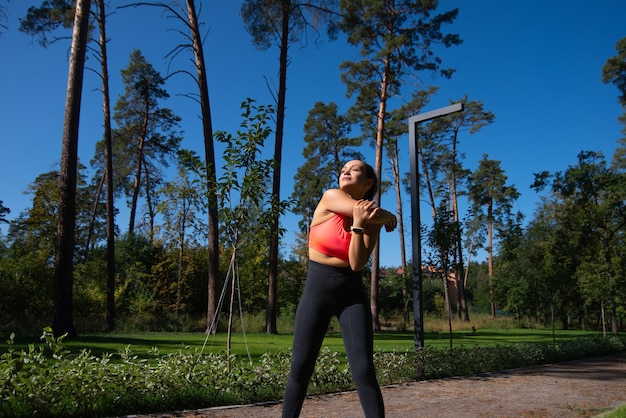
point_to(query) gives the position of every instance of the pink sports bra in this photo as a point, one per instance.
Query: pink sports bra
(330, 238)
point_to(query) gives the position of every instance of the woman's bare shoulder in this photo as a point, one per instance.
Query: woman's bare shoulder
(330, 193)
(336, 201)
(331, 204)
(328, 197)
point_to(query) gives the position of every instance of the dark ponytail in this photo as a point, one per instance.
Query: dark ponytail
(371, 174)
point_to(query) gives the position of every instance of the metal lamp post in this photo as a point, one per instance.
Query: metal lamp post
(418, 308)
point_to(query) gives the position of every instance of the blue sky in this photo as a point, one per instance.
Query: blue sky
(535, 64)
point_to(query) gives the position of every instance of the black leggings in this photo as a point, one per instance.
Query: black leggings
(333, 291)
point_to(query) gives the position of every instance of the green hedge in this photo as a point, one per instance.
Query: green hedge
(35, 383)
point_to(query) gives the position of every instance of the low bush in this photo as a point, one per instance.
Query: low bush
(433, 363)
(34, 382)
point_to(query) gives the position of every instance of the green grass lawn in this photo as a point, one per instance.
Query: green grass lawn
(256, 344)
(619, 412)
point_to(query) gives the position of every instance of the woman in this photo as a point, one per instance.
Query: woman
(345, 228)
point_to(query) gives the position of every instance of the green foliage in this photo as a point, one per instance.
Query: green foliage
(435, 363)
(331, 373)
(570, 258)
(404, 33)
(614, 70)
(328, 148)
(391, 293)
(242, 188)
(264, 18)
(50, 16)
(247, 208)
(619, 412)
(395, 366)
(4, 211)
(147, 137)
(291, 278)
(491, 198)
(27, 265)
(49, 380)
(26, 285)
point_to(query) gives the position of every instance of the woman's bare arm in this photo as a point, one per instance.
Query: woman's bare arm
(337, 201)
(362, 244)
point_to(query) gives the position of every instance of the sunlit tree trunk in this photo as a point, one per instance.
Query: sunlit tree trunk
(395, 167)
(462, 311)
(62, 321)
(209, 157)
(380, 139)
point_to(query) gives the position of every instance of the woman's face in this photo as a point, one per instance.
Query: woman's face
(354, 176)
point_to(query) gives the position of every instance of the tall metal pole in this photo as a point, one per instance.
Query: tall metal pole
(418, 307)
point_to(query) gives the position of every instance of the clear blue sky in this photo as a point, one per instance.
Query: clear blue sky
(535, 64)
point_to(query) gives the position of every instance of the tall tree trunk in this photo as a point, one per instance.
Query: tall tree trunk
(395, 166)
(611, 296)
(108, 160)
(429, 185)
(462, 310)
(94, 213)
(233, 277)
(490, 255)
(149, 204)
(272, 288)
(374, 281)
(62, 321)
(138, 173)
(136, 186)
(442, 253)
(181, 257)
(446, 290)
(209, 159)
(380, 140)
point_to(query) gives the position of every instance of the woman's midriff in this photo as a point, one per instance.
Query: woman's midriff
(322, 258)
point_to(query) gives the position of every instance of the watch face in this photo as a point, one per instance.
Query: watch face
(356, 230)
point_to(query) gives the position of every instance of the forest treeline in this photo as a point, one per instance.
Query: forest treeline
(202, 245)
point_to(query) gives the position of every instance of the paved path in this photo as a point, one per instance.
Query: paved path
(582, 388)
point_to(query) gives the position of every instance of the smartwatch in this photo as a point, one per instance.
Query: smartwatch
(356, 229)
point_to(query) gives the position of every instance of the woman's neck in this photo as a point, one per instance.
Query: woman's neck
(353, 194)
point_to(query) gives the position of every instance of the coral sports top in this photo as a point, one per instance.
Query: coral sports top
(330, 238)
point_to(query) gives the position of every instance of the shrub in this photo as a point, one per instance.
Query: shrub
(35, 382)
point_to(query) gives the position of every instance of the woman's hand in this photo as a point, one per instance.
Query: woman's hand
(391, 225)
(363, 212)
(366, 212)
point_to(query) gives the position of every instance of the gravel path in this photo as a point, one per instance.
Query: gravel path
(582, 388)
